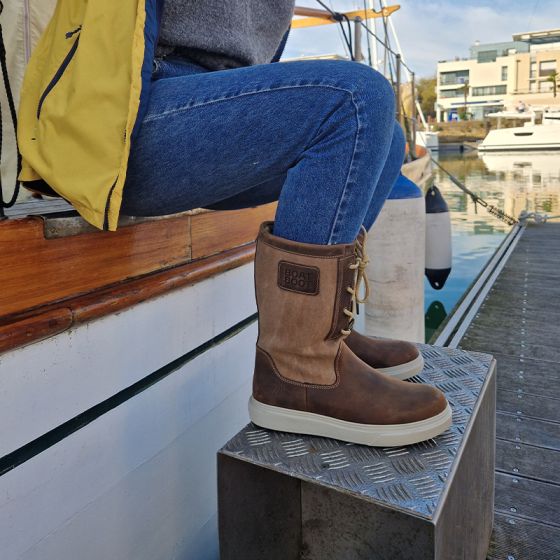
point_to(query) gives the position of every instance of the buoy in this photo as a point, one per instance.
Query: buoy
(438, 239)
(395, 247)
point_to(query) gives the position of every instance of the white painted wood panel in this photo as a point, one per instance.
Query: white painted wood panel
(49, 382)
(139, 482)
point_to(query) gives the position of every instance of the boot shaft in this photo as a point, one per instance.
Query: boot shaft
(302, 291)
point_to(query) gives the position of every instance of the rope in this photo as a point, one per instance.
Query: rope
(13, 114)
(538, 218)
(494, 210)
(337, 16)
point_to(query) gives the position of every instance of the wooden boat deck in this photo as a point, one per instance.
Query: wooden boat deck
(519, 323)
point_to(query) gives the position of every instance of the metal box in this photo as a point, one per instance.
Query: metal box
(288, 497)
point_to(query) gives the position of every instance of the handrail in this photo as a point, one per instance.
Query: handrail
(312, 12)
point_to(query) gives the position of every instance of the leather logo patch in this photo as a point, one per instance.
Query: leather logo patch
(298, 278)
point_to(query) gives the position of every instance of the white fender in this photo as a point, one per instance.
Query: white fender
(396, 271)
(438, 239)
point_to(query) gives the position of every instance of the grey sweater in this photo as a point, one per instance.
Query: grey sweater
(220, 34)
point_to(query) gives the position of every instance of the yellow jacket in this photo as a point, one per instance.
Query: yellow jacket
(84, 91)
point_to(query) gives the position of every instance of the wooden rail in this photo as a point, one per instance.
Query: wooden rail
(313, 17)
(49, 285)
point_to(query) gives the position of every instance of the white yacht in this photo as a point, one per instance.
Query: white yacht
(429, 139)
(531, 136)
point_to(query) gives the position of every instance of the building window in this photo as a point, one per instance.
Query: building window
(504, 73)
(533, 72)
(488, 90)
(547, 68)
(447, 93)
(545, 87)
(533, 87)
(453, 78)
(491, 109)
(487, 56)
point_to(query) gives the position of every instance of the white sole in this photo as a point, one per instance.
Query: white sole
(405, 371)
(296, 421)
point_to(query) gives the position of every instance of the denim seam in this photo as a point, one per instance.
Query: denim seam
(245, 94)
(339, 212)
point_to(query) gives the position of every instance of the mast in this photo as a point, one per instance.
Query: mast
(407, 71)
(371, 39)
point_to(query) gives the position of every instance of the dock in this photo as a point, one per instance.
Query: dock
(519, 323)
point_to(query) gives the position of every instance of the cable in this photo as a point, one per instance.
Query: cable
(385, 45)
(338, 17)
(494, 210)
(350, 40)
(368, 45)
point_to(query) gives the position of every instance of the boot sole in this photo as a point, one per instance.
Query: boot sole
(299, 422)
(405, 371)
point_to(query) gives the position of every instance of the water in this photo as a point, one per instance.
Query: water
(510, 181)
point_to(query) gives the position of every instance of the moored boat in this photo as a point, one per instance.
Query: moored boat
(126, 362)
(531, 136)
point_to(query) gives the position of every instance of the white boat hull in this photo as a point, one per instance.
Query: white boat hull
(138, 479)
(530, 137)
(428, 139)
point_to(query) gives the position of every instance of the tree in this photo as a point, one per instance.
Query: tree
(426, 93)
(554, 79)
(465, 89)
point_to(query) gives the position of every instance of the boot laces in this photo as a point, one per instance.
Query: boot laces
(360, 279)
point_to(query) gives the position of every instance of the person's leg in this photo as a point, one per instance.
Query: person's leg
(388, 177)
(327, 127)
(392, 357)
(269, 191)
(324, 126)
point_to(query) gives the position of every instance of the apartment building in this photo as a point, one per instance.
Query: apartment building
(497, 76)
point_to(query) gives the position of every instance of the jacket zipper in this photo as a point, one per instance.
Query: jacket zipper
(61, 69)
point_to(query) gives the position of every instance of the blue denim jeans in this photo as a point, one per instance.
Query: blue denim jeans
(318, 136)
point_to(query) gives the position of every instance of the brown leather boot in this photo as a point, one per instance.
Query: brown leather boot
(306, 379)
(396, 358)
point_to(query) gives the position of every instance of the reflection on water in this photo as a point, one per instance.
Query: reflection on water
(510, 181)
(435, 314)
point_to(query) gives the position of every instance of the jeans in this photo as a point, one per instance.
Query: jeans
(318, 136)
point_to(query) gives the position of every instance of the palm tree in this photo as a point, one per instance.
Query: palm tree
(553, 78)
(465, 90)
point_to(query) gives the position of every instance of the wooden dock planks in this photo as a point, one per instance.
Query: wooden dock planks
(520, 324)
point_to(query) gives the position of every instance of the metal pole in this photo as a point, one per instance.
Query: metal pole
(413, 115)
(358, 55)
(397, 42)
(398, 90)
(371, 40)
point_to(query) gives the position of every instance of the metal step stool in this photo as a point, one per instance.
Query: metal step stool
(289, 497)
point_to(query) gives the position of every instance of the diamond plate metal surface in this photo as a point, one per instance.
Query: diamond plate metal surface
(410, 478)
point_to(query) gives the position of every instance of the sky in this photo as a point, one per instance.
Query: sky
(433, 30)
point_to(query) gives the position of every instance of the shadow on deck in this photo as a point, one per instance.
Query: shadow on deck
(519, 323)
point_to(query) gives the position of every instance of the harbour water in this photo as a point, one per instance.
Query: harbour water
(511, 181)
